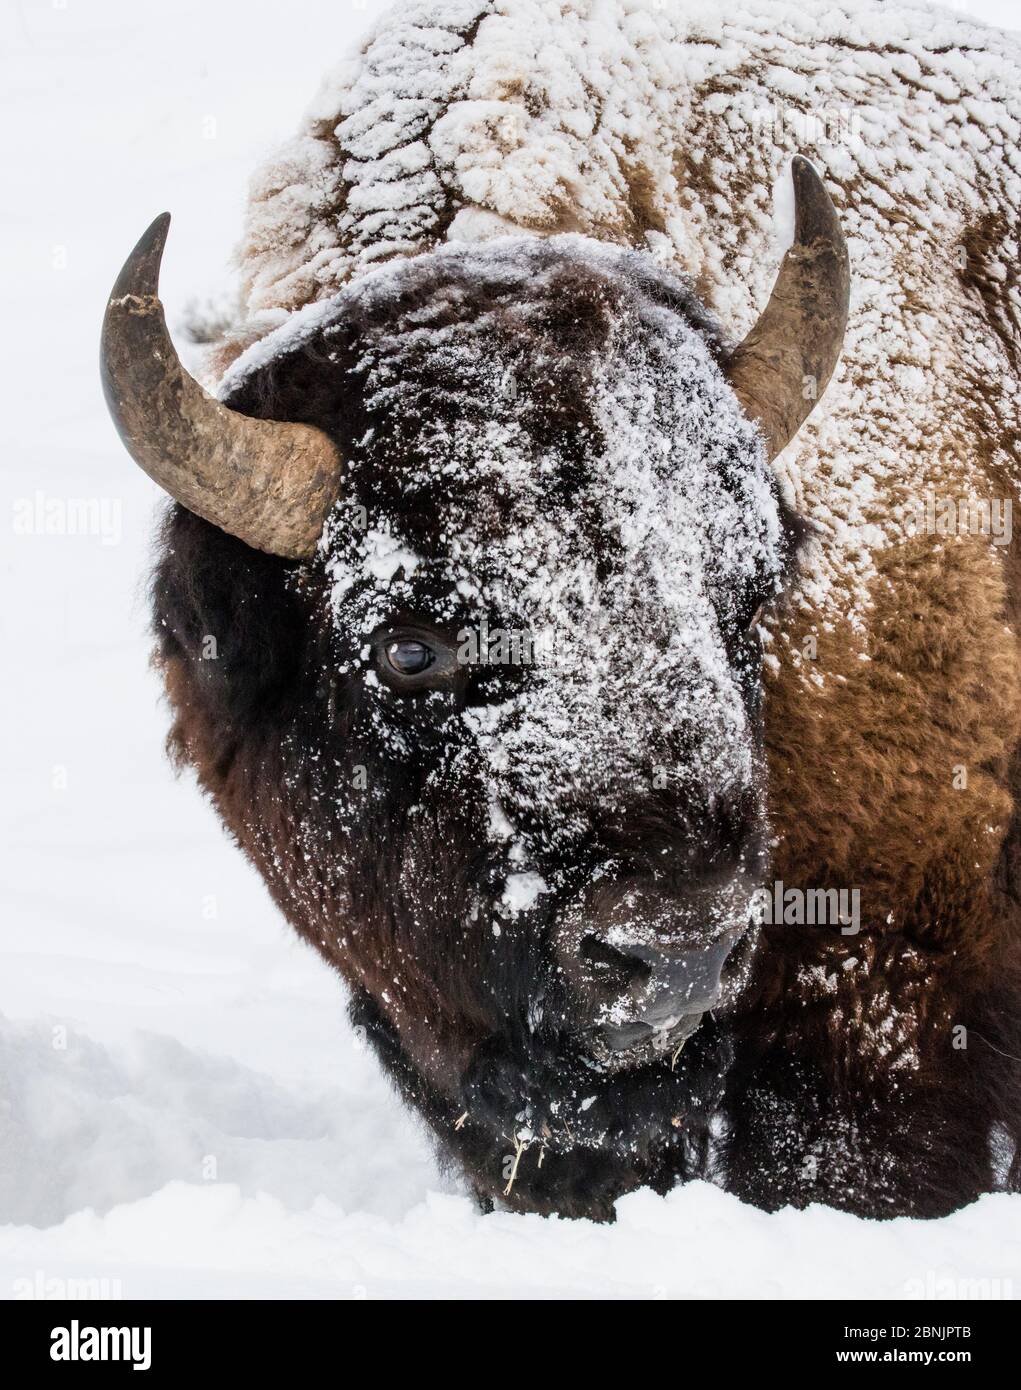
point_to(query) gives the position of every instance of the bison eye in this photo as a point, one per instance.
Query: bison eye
(409, 657)
(415, 659)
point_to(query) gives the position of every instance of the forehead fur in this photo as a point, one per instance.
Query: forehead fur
(472, 386)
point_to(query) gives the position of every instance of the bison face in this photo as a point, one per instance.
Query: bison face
(495, 744)
(520, 802)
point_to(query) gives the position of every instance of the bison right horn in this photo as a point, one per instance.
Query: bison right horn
(268, 482)
(781, 368)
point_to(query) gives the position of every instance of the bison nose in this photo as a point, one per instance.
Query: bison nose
(650, 994)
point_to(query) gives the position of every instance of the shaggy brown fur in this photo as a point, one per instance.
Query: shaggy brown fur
(843, 1075)
(878, 1072)
(922, 1008)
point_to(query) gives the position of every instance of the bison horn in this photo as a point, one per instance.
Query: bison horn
(781, 368)
(269, 483)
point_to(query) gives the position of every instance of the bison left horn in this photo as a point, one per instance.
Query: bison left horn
(268, 482)
(781, 368)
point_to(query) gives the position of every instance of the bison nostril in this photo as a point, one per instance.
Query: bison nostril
(611, 966)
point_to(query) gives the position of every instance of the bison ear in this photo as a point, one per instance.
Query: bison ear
(269, 483)
(782, 367)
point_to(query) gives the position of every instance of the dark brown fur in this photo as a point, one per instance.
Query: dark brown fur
(843, 1085)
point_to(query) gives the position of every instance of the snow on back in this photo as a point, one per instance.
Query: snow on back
(667, 128)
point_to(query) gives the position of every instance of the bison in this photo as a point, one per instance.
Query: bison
(601, 699)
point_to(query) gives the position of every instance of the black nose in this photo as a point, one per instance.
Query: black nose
(652, 994)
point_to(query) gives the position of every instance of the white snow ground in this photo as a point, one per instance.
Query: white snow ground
(183, 1109)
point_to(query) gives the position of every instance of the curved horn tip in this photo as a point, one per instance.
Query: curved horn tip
(268, 482)
(798, 335)
(141, 271)
(814, 214)
(156, 231)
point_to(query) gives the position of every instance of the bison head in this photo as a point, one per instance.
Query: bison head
(485, 539)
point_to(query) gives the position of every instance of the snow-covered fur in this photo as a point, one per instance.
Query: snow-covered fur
(482, 267)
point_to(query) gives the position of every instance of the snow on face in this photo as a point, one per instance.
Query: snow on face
(551, 470)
